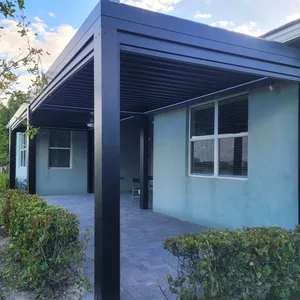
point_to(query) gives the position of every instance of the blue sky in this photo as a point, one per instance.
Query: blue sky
(264, 15)
(57, 21)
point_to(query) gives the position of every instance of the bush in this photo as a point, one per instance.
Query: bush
(1, 212)
(254, 263)
(4, 178)
(45, 249)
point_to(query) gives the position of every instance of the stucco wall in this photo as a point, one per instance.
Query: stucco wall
(268, 197)
(130, 153)
(58, 181)
(21, 172)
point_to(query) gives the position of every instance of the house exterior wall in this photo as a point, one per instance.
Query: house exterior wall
(130, 153)
(59, 181)
(21, 172)
(270, 194)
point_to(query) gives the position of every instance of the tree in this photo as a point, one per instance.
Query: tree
(6, 113)
(28, 60)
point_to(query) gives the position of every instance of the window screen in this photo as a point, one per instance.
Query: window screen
(60, 149)
(202, 120)
(233, 156)
(202, 157)
(219, 138)
(233, 116)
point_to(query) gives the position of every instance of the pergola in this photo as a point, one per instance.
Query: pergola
(127, 62)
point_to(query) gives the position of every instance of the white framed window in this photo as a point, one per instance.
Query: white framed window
(60, 149)
(23, 149)
(218, 139)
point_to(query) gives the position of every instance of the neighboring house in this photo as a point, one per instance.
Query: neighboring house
(230, 162)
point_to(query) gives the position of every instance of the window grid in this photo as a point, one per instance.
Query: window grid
(62, 148)
(23, 149)
(216, 137)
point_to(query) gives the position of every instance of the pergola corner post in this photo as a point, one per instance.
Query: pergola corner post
(12, 158)
(144, 137)
(31, 157)
(107, 164)
(90, 161)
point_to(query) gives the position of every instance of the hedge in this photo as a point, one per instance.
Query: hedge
(4, 178)
(254, 263)
(44, 241)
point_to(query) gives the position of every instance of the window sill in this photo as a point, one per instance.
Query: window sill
(60, 168)
(219, 177)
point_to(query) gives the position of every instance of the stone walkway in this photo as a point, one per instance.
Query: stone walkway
(143, 259)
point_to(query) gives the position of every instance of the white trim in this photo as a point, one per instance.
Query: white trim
(285, 35)
(219, 177)
(62, 148)
(215, 137)
(232, 135)
(202, 138)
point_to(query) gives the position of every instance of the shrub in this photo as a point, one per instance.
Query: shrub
(254, 263)
(45, 250)
(3, 182)
(1, 210)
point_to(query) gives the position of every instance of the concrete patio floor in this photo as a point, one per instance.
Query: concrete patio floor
(143, 259)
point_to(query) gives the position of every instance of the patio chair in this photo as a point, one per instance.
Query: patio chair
(136, 189)
(150, 188)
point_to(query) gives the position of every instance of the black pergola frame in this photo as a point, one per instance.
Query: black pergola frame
(110, 29)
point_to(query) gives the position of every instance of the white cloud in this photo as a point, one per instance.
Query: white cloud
(199, 15)
(51, 14)
(37, 19)
(292, 17)
(52, 40)
(225, 24)
(153, 5)
(249, 28)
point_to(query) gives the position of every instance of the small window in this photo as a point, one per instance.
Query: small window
(219, 138)
(23, 149)
(60, 149)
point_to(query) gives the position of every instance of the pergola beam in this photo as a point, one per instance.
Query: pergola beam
(31, 157)
(12, 159)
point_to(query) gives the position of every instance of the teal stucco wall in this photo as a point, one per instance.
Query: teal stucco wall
(129, 152)
(269, 197)
(59, 181)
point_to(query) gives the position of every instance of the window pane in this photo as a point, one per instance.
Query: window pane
(59, 158)
(233, 116)
(202, 155)
(202, 120)
(23, 158)
(233, 156)
(60, 138)
(23, 140)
